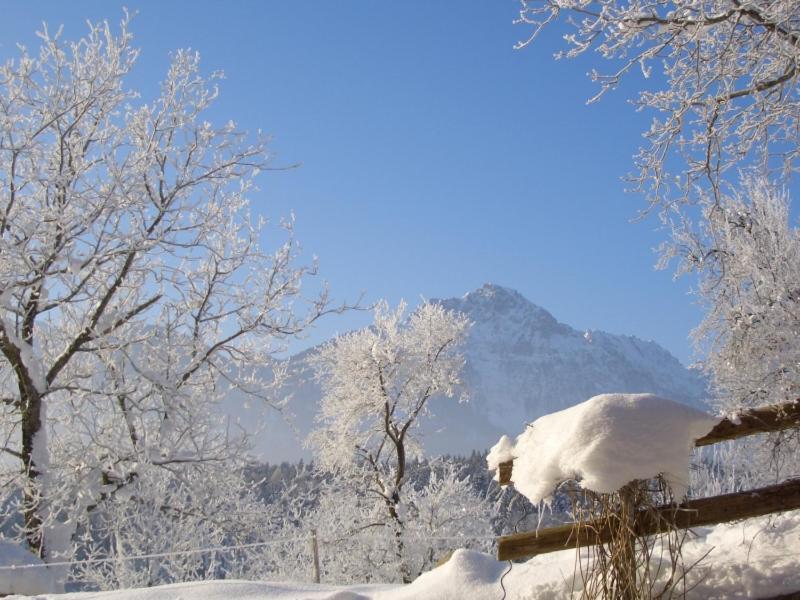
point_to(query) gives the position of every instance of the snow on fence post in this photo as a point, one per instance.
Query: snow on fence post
(776, 417)
(315, 554)
(691, 513)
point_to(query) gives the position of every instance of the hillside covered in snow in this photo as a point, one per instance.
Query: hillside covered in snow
(521, 364)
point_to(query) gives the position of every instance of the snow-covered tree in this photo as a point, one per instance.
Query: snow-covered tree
(134, 293)
(442, 510)
(377, 386)
(751, 286)
(722, 85)
(724, 91)
(747, 255)
(175, 522)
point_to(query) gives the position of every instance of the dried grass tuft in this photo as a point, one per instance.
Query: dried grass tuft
(623, 564)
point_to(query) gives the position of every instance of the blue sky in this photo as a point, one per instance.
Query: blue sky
(434, 157)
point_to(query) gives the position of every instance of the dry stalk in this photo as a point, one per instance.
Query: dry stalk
(628, 565)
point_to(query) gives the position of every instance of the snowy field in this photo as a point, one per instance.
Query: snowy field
(758, 558)
(638, 434)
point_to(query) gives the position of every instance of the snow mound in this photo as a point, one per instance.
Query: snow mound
(24, 581)
(756, 558)
(468, 574)
(605, 443)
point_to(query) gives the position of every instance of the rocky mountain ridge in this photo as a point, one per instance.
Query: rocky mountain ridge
(521, 363)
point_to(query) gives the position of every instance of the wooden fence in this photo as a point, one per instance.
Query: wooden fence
(692, 513)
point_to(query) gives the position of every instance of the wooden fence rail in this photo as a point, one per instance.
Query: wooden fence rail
(692, 513)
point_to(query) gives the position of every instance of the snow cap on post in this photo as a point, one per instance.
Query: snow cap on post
(607, 442)
(501, 452)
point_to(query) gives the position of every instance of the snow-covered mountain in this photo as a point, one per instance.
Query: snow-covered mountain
(521, 363)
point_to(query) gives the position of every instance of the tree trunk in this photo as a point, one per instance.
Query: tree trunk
(30, 408)
(31, 413)
(405, 572)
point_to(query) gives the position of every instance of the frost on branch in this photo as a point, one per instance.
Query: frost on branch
(750, 285)
(378, 382)
(745, 253)
(134, 289)
(728, 92)
(725, 109)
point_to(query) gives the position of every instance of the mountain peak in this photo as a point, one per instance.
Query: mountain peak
(497, 292)
(492, 301)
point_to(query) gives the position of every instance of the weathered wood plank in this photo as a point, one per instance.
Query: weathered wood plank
(505, 469)
(790, 596)
(766, 419)
(692, 513)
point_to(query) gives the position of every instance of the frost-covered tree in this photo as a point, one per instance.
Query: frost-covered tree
(751, 287)
(724, 91)
(377, 386)
(134, 293)
(747, 255)
(722, 85)
(441, 511)
(174, 523)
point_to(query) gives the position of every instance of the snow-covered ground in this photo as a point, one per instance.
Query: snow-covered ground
(23, 581)
(758, 558)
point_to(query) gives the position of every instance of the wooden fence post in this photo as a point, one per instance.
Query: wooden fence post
(315, 554)
(623, 545)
